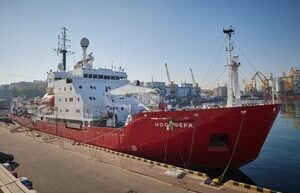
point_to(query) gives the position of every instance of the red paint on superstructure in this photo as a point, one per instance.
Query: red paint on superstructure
(187, 142)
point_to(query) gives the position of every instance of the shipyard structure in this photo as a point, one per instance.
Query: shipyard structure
(289, 83)
(285, 88)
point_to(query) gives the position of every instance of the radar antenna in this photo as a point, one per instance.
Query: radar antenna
(63, 46)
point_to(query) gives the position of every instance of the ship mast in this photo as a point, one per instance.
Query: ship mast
(62, 47)
(233, 87)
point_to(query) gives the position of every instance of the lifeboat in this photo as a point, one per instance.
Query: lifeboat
(48, 99)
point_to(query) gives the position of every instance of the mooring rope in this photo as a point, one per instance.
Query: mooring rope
(191, 149)
(233, 151)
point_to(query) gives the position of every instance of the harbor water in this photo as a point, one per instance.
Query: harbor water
(278, 165)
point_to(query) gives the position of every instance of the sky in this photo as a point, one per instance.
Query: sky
(184, 34)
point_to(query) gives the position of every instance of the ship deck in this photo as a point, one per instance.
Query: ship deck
(57, 165)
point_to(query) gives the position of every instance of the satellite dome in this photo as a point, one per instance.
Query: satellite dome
(84, 42)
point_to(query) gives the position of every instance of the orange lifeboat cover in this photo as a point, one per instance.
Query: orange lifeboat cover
(48, 99)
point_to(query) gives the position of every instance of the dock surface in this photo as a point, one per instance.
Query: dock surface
(56, 170)
(56, 164)
(10, 184)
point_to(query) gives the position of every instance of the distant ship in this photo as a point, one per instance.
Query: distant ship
(100, 107)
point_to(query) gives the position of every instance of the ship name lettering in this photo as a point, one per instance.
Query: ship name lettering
(176, 125)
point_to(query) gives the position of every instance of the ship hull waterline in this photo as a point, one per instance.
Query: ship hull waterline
(200, 138)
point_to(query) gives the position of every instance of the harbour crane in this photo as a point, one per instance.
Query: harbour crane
(252, 86)
(171, 83)
(168, 75)
(195, 84)
(193, 78)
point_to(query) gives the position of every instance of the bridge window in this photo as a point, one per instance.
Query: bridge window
(85, 76)
(100, 76)
(106, 77)
(95, 76)
(90, 76)
(69, 80)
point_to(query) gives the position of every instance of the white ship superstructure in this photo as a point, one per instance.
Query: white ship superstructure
(86, 96)
(79, 95)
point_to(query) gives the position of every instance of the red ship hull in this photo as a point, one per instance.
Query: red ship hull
(200, 138)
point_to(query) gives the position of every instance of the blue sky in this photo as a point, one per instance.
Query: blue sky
(182, 33)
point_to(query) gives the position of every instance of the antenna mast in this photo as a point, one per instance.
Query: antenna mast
(233, 88)
(62, 47)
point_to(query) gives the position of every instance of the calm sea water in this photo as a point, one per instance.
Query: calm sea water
(278, 165)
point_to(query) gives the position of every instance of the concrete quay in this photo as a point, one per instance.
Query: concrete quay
(58, 165)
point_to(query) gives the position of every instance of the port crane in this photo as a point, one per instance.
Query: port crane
(171, 83)
(195, 84)
(252, 86)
